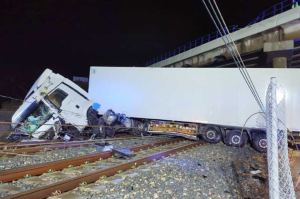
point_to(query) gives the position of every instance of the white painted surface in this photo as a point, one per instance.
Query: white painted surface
(205, 95)
(73, 109)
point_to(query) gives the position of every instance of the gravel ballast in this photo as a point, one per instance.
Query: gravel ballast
(68, 152)
(207, 171)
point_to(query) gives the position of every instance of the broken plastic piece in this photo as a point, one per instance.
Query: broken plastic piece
(67, 138)
(102, 147)
(123, 152)
(255, 172)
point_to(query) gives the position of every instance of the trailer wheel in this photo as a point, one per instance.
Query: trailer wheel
(259, 142)
(236, 138)
(211, 134)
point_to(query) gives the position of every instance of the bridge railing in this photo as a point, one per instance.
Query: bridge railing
(272, 11)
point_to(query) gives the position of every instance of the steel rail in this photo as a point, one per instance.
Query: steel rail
(8, 145)
(12, 150)
(67, 185)
(38, 169)
(31, 150)
(5, 146)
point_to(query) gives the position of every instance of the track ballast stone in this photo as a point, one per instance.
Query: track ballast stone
(202, 172)
(68, 152)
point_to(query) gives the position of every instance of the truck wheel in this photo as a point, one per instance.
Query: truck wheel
(92, 117)
(236, 138)
(259, 142)
(211, 134)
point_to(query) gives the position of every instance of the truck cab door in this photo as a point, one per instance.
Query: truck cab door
(72, 105)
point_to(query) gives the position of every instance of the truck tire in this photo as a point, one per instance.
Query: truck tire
(92, 117)
(93, 121)
(236, 138)
(259, 142)
(211, 134)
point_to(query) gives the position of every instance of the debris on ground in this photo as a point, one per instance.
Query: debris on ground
(252, 176)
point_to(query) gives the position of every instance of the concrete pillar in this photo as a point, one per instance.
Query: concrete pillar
(278, 53)
(279, 62)
(279, 46)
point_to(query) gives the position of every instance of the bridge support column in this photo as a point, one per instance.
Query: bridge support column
(279, 62)
(279, 53)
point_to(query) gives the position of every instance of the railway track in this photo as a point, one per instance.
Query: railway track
(91, 170)
(17, 145)
(21, 150)
(34, 147)
(21, 160)
(34, 170)
(6, 146)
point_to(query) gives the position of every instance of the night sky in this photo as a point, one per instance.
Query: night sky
(69, 36)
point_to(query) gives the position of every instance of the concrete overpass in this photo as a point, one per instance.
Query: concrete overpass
(272, 42)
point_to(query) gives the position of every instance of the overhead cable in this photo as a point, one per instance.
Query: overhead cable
(226, 37)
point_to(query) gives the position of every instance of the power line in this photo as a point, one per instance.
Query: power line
(236, 50)
(11, 98)
(226, 37)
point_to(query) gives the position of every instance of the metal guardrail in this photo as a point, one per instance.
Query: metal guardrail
(274, 10)
(270, 12)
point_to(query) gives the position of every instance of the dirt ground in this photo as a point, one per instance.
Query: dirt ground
(295, 169)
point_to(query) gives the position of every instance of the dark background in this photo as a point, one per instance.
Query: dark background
(69, 36)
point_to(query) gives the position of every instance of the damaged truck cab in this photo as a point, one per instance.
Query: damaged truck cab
(52, 100)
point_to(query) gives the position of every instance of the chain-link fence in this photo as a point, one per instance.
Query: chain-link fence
(280, 180)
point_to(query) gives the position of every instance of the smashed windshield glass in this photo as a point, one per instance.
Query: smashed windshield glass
(37, 118)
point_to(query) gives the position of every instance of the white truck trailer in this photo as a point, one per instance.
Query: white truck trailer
(212, 103)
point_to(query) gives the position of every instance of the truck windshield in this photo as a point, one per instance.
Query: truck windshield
(36, 118)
